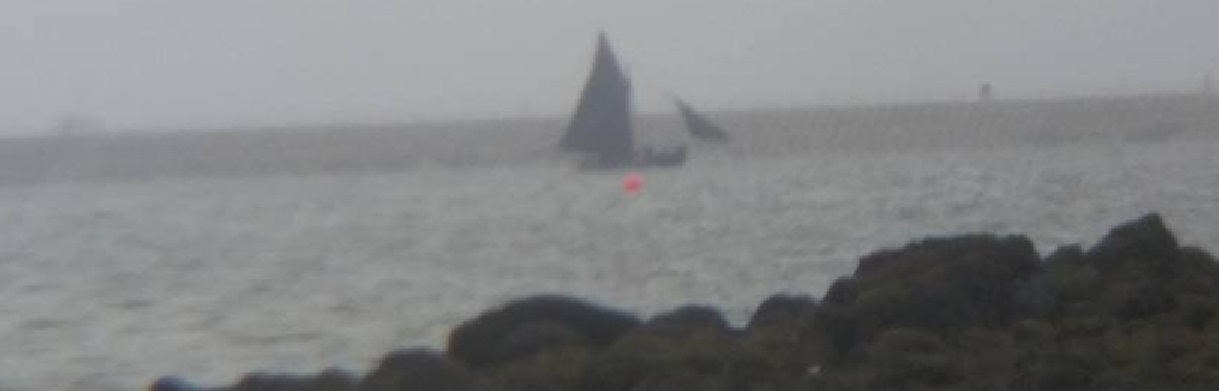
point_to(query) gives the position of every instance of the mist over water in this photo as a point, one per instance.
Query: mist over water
(155, 65)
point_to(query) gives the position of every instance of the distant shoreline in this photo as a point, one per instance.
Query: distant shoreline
(481, 121)
(278, 151)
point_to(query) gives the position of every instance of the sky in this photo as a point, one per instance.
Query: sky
(150, 64)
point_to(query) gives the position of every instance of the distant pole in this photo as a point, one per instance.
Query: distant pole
(71, 125)
(984, 92)
(1206, 84)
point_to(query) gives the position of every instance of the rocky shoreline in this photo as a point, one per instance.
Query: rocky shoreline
(970, 312)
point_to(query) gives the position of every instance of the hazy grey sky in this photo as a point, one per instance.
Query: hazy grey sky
(150, 63)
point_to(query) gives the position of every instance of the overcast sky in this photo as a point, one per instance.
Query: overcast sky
(183, 63)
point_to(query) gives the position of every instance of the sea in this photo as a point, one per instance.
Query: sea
(107, 285)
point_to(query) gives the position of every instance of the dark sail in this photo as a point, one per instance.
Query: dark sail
(700, 127)
(602, 122)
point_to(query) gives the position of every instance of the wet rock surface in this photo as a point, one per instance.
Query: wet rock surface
(1134, 311)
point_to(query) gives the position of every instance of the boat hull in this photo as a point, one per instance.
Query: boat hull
(647, 159)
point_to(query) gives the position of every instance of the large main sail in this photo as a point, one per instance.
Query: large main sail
(700, 126)
(602, 121)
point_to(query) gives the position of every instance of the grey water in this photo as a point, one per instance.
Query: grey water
(107, 285)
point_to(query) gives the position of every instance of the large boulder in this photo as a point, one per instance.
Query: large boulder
(528, 326)
(1137, 271)
(534, 338)
(1137, 241)
(689, 348)
(940, 285)
(687, 319)
(174, 383)
(416, 370)
(782, 310)
(660, 361)
(557, 370)
(778, 331)
(1136, 311)
(328, 380)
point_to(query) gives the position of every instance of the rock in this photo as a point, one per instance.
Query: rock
(1141, 240)
(557, 370)
(665, 366)
(1071, 254)
(1062, 372)
(1033, 297)
(416, 370)
(939, 285)
(328, 380)
(475, 342)
(676, 349)
(778, 332)
(1137, 271)
(692, 347)
(782, 310)
(905, 358)
(687, 319)
(617, 371)
(533, 338)
(1197, 272)
(172, 383)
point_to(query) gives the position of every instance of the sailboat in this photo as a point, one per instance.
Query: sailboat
(602, 129)
(700, 126)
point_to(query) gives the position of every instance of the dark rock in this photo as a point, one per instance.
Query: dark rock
(842, 291)
(902, 358)
(1072, 254)
(553, 370)
(1034, 296)
(691, 346)
(778, 333)
(416, 370)
(172, 383)
(1141, 240)
(781, 310)
(532, 338)
(1136, 272)
(617, 371)
(475, 342)
(688, 319)
(676, 381)
(1196, 272)
(1137, 299)
(834, 330)
(657, 368)
(940, 285)
(1062, 372)
(748, 370)
(328, 380)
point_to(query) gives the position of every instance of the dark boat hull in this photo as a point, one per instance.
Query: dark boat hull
(643, 160)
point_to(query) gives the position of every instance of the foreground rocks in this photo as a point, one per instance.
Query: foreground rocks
(1134, 312)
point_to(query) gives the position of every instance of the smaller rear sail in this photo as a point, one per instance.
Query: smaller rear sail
(699, 125)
